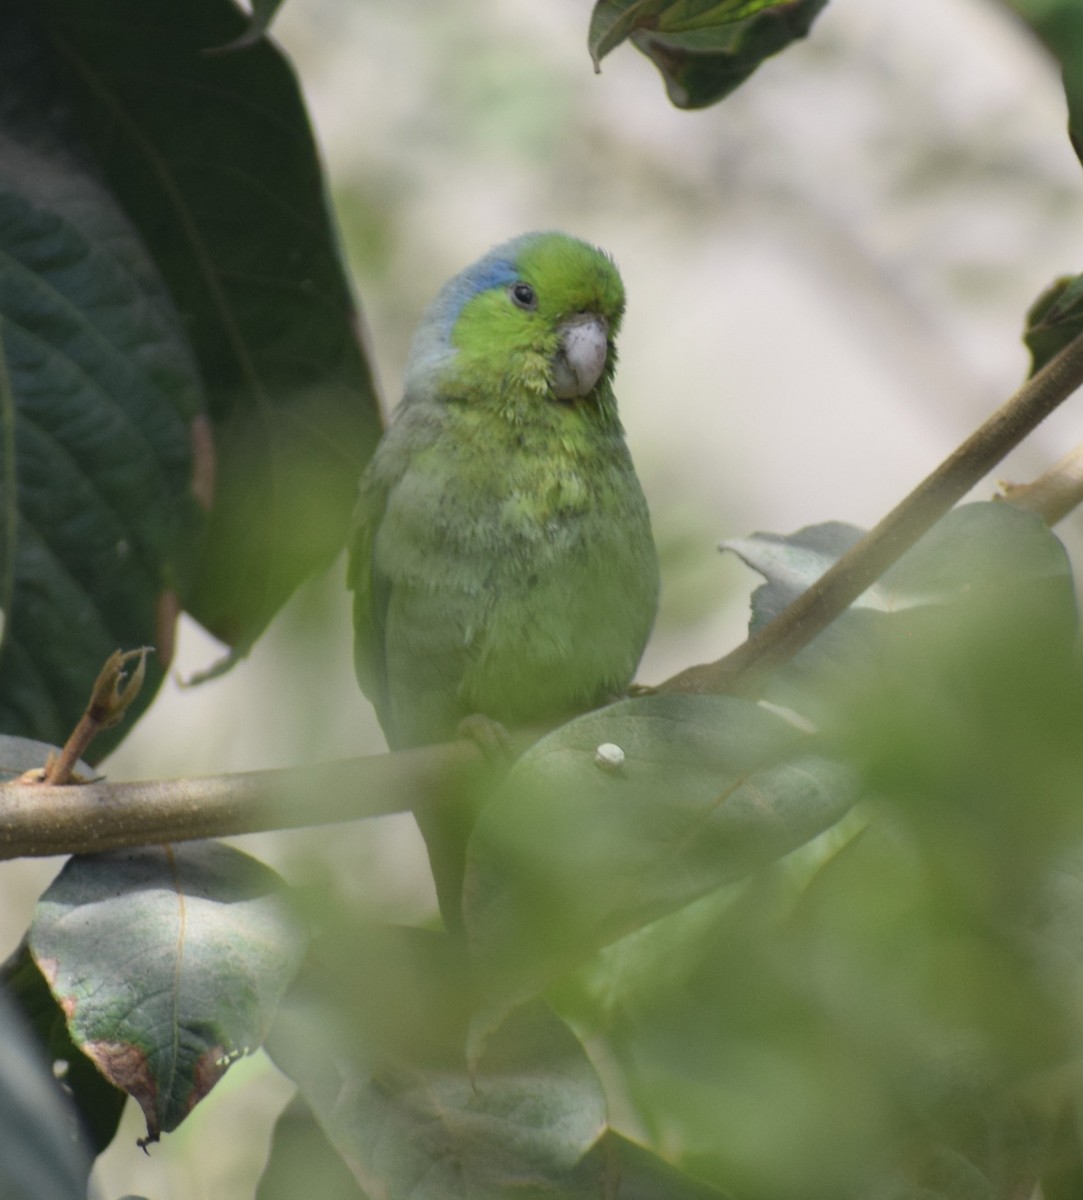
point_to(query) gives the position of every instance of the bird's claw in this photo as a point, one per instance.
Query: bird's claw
(490, 737)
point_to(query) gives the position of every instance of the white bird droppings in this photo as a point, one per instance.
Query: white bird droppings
(609, 757)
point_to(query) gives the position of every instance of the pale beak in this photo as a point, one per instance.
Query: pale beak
(578, 364)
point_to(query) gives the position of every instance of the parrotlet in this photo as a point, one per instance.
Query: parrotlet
(501, 555)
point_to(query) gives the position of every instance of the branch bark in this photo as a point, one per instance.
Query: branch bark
(36, 821)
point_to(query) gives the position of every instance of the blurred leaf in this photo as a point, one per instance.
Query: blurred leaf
(1059, 25)
(955, 959)
(621, 1168)
(945, 1004)
(95, 1102)
(946, 1174)
(569, 856)
(703, 48)
(977, 748)
(39, 1157)
(724, 1056)
(410, 1118)
(823, 1040)
(303, 1162)
(988, 556)
(212, 156)
(1054, 319)
(169, 963)
(98, 393)
(528, 1122)
(374, 1032)
(1063, 1180)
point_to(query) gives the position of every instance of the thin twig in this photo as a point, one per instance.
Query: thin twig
(744, 670)
(110, 697)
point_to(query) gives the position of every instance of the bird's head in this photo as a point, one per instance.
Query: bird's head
(533, 323)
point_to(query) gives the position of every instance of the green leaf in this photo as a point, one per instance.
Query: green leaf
(303, 1162)
(724, 1055)
(39, 1157)
(374, 1031)
(703, 48)
(985, 561)
(212, 156)
(1059, 25)
(415, 1121)
(614, 20)
(95, 1101)
(943, 1003)
(374, 1034)
(569, 856)
(726, 1021)
(98, 394)
(1054, 319)
(169, 963)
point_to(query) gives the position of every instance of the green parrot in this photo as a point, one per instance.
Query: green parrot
(501, 556)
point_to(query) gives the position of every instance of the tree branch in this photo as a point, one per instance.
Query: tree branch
(745, 669)
(36, 821)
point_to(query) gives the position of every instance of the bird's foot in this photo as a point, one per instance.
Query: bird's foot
(490, 737)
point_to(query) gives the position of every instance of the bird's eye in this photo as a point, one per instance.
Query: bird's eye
(523, 295)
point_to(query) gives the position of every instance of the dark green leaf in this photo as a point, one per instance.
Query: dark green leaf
(1059, 25)
(39, 1158)
(703, 48)
(569, 856)
(1054, 319)
(169, 963)
(98, 394)
(94, 1100)
(212, 156)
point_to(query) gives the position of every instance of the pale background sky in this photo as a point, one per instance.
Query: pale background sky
(827, 277)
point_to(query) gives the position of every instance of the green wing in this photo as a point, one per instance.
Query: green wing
(371, 591)
(402, 448)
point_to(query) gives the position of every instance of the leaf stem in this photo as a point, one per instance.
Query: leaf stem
(744, 669)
